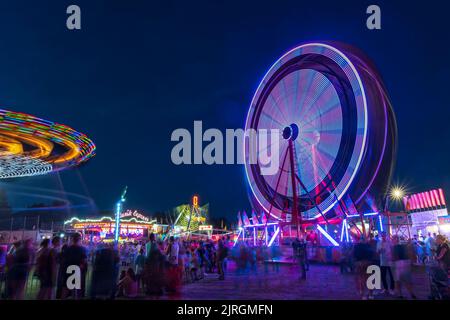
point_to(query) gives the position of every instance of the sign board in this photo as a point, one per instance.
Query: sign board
(134, 214)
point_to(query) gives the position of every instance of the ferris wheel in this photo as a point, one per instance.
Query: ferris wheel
(336, 133)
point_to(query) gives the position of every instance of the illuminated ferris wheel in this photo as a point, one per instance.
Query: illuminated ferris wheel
(336, 134)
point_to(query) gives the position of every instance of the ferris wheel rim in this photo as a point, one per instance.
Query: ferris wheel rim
(278, 65)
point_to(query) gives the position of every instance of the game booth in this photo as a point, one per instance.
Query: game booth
(133, 226)
(428, 213)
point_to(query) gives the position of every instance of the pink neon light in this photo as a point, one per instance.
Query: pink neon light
(412, 204)
(426, 199)
(424, 202)
(419, 201)
(441, 194)
(427, 195)
(433, 201)
(436, 196)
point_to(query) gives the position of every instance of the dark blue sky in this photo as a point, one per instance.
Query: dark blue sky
(139, 69)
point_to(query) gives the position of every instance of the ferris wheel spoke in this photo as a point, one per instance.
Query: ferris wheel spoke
(305, 93)
(275, 103)
(268, 117)
(333, 112)
(319, 95)
(325, 152)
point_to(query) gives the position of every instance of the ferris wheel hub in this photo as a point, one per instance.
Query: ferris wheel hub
(290, 132)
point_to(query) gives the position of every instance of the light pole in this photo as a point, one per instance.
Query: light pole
(119, 206)
(396, 193)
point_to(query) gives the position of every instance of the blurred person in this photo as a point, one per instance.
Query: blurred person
(22, 259)
(384, 249)
(201, 259)
(299, 248)
(194, 265)
(75, 254)
(151, 245)
(9, 262)
(55, 251)
(154, 271)
(187, 265)
(61, 272)
(122, 276)
(442, 252)
(363, 256)
(438, 270)
(128, 284)
(46, 270)
(222, 253)
(429, 246)
(402, 267)
(139, 264)
(105, 268)
(171, 253)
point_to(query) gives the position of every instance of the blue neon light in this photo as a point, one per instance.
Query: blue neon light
(327, 236)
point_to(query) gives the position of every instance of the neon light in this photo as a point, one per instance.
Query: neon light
(28, 143)
(237, 238)
(266, 235)
(78, 220)
(118, 212)
(195, 201)
(342, 229)
(257, 194)
(365, 215)
(422, 204)
(261, 225)
(347, 236)
(13, 166)
(441, 194)
(327, 236)
(433, 201)
(277, 231)
(380, 220)
(436, 196)
(254, 236)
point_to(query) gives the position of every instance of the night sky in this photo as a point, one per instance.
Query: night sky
(137, 70)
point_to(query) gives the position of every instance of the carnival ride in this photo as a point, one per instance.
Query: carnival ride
(32, 146)
(191, 218)
(337, 139)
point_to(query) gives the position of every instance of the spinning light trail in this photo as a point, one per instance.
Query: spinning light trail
(32, 146)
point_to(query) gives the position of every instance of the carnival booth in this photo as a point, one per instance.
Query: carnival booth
(428, 212)
(133, 226)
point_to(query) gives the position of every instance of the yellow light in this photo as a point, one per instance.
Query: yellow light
(397, 193)
(195, 201)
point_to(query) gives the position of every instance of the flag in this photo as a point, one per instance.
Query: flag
(239, 219)
(254, 218)
(245, 219)
(263, 218)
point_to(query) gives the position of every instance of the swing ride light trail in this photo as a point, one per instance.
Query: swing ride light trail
(32, 146)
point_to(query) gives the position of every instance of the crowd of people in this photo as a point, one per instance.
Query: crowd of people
(395, 257)
(156, 266)
(150, 267)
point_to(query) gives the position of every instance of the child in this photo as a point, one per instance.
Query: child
(187, 263)
(194, 266)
